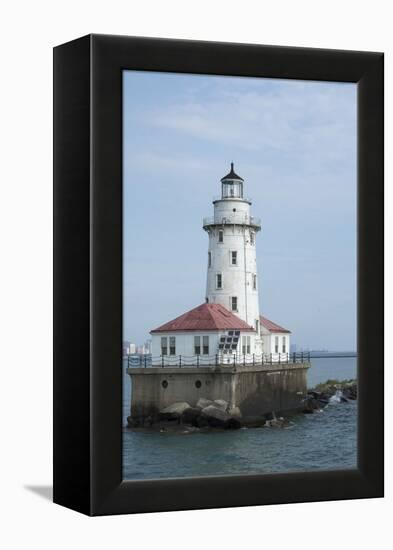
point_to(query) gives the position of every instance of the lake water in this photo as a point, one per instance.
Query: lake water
(322, 441)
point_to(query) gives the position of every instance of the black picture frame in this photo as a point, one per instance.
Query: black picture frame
(88, 273)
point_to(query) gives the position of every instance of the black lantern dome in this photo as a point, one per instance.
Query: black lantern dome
(232, 185)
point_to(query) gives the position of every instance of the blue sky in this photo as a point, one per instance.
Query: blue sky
(294, 143)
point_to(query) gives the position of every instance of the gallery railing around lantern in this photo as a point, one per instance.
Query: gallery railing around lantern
(218, 360)
(236, 219)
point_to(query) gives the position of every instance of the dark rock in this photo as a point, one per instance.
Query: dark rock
(253, 421)
(215, 416)
(314, 394)
(148, 421)
(221, 404)
(190, 416)
(174, 411)
(201, 421)
(321, 398)
(202, 402)
(277, 423)
(310, 404)
(133, 422)
(350, 392)
(232, 424)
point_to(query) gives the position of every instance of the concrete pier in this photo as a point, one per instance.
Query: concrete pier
(256, 390)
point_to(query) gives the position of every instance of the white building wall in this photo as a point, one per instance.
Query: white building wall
(185, 346)
(269, 344)
(184, 342)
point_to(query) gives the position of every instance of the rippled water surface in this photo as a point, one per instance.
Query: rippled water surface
(326, 440)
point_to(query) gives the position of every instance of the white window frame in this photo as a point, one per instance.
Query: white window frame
(220, 233)
(284, 344)
(231, 253)
(276, 344)
(209, 259)
(197, 344)
(205, 348)
(231, 303)
(252, 237)
(254, 281)
(217, 286)
(164, 339)
(172, 348)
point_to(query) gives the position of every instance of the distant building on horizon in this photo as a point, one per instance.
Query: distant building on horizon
(126, 347)
(147, 347)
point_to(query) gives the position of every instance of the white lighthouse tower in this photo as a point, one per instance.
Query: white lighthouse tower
(227, 327)
(232, 279)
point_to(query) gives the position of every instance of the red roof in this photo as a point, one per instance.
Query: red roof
(205, 317)
(272, 327)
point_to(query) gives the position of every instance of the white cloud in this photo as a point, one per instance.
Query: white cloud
(295, 118)
(160, 162)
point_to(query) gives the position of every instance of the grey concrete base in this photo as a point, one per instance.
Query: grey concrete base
(256, 390)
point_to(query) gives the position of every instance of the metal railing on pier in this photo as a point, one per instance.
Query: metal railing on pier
(219, 359)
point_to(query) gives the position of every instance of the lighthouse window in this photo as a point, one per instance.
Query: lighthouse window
(164, 345)
(246, 345)
(219, 280)
(172, 345)
(209, 256)
(205, 345)
(252, 237)
(197, 345)
(284, 345)
(234, 257)
(220, 236)
(234, 303)
(254, 282)
(276, 344)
